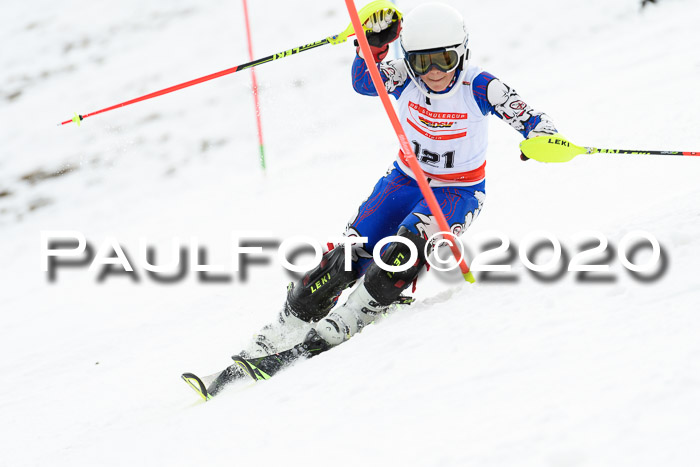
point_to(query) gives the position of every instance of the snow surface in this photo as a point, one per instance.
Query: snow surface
(524, 373)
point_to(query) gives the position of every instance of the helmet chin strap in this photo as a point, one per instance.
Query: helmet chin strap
(425, 90)
(460, 73)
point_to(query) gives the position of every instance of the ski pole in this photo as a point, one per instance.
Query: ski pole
(336, 39)
(403, 140)
(556, 148)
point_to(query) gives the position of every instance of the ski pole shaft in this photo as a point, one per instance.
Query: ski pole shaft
(403, 140)
(78, 118)
(640, 152)
(336, 39)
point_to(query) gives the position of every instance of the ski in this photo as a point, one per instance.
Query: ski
(197, 384)
(263, 368)
(209, 386)
(257, 369)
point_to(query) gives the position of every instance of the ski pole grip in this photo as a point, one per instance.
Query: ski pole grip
(364, 14)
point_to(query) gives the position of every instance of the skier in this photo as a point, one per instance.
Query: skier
(443, 104)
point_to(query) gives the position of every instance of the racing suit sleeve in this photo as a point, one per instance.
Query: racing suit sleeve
(393, 73)
(495, 97)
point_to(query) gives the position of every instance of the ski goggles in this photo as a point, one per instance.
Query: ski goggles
(423, 61)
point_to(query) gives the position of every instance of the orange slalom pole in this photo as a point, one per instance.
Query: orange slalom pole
(255, 86)
(403, 140)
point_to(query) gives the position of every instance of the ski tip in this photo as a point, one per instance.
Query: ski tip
(245, 366)
(195, 383)
(250, 368)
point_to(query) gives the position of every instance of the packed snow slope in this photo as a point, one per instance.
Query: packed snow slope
(523, 372)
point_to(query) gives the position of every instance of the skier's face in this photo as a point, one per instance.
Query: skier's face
(438, 80)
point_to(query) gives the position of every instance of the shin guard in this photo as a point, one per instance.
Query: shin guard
(386, 286)
(316, 293)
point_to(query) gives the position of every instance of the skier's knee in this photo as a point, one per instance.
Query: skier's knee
(385, 286)
(316, 293)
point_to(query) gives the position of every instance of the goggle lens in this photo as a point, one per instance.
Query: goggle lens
(443, 60)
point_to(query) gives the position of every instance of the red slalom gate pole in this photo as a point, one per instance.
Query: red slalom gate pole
(255, 86)
(403, 140)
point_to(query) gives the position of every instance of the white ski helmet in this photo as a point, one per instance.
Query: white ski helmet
(434, 35)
